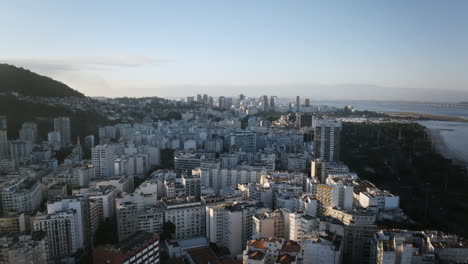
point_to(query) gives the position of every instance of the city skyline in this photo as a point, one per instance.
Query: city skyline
(377, 50)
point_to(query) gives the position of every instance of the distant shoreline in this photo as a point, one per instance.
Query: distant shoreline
(422, 116)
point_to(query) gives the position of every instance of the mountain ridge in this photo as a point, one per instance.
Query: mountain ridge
(25, 82)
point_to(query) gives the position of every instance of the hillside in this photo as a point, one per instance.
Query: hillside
(25, 82)
(83, 123)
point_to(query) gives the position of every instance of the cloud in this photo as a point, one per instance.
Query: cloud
(83, 63)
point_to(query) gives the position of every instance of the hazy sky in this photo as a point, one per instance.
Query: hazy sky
(178, 48)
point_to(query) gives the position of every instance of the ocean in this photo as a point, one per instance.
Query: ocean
(446, 109)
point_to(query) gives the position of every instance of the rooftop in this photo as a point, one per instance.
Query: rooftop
(256, 255)
(285, 259)
(131, 243)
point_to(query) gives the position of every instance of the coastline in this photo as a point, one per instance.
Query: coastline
(441, 147)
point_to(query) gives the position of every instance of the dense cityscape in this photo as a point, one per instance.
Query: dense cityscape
(216, 180)
(234, 132)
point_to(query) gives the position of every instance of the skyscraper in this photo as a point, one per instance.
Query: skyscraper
(272, 103)
(3, 145)
(298, 103)
(62, 125)
(265, 103)
(327, 139)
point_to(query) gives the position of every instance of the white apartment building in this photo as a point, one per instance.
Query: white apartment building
(219, 179)
(23, 195)
(136, 165)
(62, 231)
(133, 216)
(80, 207)
(302, 226)
(103, 160)
(230, 226)
(342, 193)
(321, 169)
(323, 249)
(381, 200)
(268, 224)
(122, 183)
(187, 214)
(105, 195)
(406, 246)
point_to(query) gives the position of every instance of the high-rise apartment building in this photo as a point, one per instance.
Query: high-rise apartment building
(19, 150)
(3, 123)
(80, 207)
(327, 139)
(244, 141)
(272, 103)
(342, 190)
(103, 160)
(359, 229)
(62, 232)
(230, 226)
(268, 224)
(62, 125)
(187, 214)
(185, 162)
(192, 185)
(3, 144)
(24, 195)
(28, 132)
(132, 217)
(298, 104)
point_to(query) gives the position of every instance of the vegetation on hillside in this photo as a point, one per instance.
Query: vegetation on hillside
(400, 157)
(83, 123)
(27, 83)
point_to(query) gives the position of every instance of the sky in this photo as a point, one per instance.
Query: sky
(376, 50)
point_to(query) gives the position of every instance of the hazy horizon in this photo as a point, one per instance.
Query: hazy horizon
(377, 50)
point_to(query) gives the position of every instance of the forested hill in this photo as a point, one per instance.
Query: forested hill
(25, 82)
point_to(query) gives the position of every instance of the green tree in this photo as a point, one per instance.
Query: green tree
(169, 229)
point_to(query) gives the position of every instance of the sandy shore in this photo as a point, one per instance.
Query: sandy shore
(441, 147)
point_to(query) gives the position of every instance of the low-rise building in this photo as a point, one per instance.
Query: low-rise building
(23, 248)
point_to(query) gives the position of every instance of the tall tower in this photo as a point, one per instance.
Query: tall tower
(103, 161)
(327, 139)
(3, 138)
(265, 103)
(298, 103)
(62, 125)
(272, 103)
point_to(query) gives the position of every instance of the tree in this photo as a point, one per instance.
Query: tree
(169, 229)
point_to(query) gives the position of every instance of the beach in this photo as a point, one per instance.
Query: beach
(449, 139)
